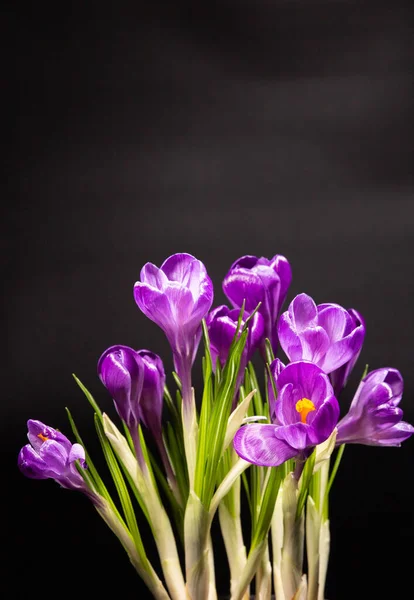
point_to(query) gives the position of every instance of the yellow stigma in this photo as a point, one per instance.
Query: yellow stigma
(42, 437)
(304, 407)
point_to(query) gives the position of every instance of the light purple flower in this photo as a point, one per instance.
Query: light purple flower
(152, 395)
(374, 417)
(326, 335)
(340, 376)
(253, 280)
(306, 414)
(121, 370)
(50, 455)
(177, 296)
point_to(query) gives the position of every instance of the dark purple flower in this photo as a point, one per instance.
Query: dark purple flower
(121, 370)
(306, 414)
(50, 455)
(177, 296)
(340, 376)
(327, 335)
(253, 280)
(152, 395)
(222, 325)
(374, 418)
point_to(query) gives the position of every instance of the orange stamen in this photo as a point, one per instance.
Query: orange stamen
(304, 407)
(42, 437)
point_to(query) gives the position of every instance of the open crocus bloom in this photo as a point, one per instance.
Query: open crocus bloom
(306, 413)
(328, 335)
(374, 417)
(252, 280)
(176, 296)
(50, 455)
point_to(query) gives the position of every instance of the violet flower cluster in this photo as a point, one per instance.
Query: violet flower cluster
(202, 452)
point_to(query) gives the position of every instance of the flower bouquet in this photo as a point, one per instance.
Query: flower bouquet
(269, 436)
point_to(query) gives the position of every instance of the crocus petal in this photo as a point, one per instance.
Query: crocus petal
(288, 338)
(244, 286)
(295, 435)
(334, 320)
(121, 370)
(155, 305)
(343, 350)
(315, 344)
(153, 277)
(177, 267)
(77, 452)
(324, 421)
(282, 267)
(151, 402)
(31, 465)
(303, 312)
(393, 436)
(54, 455)
(258, 444)
(38, 433)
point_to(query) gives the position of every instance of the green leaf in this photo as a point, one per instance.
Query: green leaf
(272, 483)
(96, 478)
(219, 416)
(89, 396)
(122, 490)
(305, 482)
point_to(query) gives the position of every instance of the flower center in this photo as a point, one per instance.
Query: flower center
(304, 407)
(42, 437)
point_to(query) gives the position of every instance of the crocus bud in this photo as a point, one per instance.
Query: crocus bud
(50, 455)
(327, 335)
(374, 417)
(222, 326)
(177, 296)
(121, 370)
(340, 376)
(152, 394)
(252, 280)
(306, 414)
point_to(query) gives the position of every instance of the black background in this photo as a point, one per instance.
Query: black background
(220, 129)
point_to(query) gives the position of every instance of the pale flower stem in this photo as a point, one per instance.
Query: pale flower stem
(287, 541)
(137, 448)
(166, 544)
(212, 592)
(146, 572)
(317, 536)
(158, 519)
(190, 427)
(172, 481)
(231, 529)
(264, 578)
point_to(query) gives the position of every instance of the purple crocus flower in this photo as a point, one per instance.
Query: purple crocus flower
(340, 376)
(121, 370)
(374, 417)
(253, 280)
(306, 414)
(50, 455)
(327, 335)
(177, 296)
(276, 367)
(151, 401)
(222, 325)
